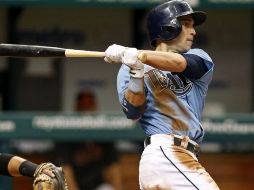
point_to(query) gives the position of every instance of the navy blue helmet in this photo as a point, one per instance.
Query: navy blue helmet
(163, 23)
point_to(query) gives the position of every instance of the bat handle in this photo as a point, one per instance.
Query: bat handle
(142, 56)
(82, 53)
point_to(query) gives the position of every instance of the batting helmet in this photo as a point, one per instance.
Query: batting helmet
(163, 23)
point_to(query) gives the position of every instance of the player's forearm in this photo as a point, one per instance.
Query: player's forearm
(136, 99)
(11, 165)
(133, 105)
(135, 94)
(167, 61)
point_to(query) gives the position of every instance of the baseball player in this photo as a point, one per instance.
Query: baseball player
(165, 93)
(46, 175)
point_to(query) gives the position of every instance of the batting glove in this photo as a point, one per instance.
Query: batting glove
(130, 58)
(114, 53)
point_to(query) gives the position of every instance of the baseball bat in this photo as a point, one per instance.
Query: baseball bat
(17, 50)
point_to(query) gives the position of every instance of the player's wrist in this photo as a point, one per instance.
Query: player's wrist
(137, 73)
(136, 85)
(27, 168)
(137, 70)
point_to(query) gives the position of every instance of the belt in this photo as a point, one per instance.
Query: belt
(180, 141)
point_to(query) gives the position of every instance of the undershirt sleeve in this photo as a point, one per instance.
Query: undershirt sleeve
(195, 68)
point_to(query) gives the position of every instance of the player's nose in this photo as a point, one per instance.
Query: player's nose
(193, 31)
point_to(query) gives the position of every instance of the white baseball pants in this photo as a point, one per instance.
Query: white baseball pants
(164, 166)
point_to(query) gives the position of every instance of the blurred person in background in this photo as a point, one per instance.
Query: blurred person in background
(86, 102)
(89, 165)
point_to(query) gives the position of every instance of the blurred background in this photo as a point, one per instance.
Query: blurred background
(66, 110)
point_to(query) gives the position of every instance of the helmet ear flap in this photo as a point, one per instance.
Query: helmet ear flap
(171, 30)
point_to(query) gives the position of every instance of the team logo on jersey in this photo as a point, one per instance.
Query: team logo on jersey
(162, 79)
(177, 83)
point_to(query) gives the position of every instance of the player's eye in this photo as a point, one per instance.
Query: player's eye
(187, 23)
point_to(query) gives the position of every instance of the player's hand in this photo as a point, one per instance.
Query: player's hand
(130, 58)
(114, 53)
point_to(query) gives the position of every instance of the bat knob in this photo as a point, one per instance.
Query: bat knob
(142, 57)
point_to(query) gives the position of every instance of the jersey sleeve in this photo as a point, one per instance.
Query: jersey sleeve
(195, 67)
(202, 58)
(201, 84)
(123, 79)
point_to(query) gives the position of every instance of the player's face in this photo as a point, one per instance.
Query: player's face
(184, 41)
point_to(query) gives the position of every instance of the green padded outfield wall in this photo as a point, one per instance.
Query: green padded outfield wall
(111, 126)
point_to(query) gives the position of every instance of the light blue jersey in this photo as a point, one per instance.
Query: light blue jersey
(174, 103)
